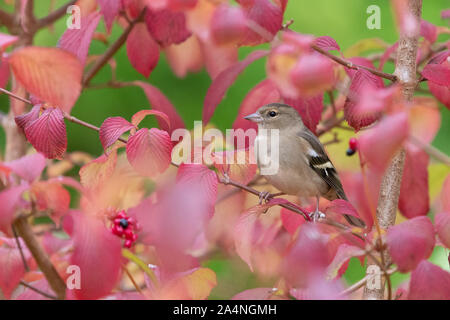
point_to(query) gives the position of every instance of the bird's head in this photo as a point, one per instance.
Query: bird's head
(276, 116)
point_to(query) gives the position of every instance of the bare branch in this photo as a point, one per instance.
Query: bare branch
(405, 70)
(6, 19)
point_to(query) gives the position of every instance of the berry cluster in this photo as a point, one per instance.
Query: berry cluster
(124, 227)
(352, 146)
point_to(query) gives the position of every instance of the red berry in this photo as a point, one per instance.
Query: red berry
(128, 243)
(128, 234)
(117, 230)
(353, 144)
(122, 215)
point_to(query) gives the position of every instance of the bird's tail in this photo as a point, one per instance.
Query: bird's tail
(354, 221)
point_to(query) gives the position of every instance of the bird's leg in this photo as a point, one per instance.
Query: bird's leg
(264, 196)
(317, 215)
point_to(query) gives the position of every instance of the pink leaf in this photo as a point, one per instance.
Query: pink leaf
(263, 93)
(51, 196)
(142, 50)
(140, 115)
(442, 221)
(312, 74)
(307, 257)
(340, 261)
(424, 120)
(185, 57)
(149, 151)
(386, 55)
(428, 31)
(110, 9)
(360, 79)
(228, 25)
(291, 221)
(48, 133)
(97, 252)
(379, 144)
(310, 109)
(158, 101)
(29, 294)
(239, 165)
(7, 40)
(218, 58)
(445, 199)
(28, 167)
(327, 43)
(445, 14)
(51, 74)
(223, 81)
(78, 41)
(111, 130)
(200, 177)
(261, 14)
(429, 282)
(167, 27)
(437, 73)
(410, 242)
(12, 270)
(254, 294)
(4, 71)
(414, 199)
(181, 4)
(10, 200)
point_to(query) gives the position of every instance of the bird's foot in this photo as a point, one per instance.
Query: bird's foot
(264, 196)
(316, 215)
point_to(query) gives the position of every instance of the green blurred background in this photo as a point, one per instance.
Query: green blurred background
(345, 21)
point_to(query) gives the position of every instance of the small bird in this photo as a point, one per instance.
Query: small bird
(304, 168)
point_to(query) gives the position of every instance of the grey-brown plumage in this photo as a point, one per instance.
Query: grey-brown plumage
(304, 167)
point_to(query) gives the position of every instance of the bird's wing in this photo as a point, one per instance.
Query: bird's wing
(320, 163)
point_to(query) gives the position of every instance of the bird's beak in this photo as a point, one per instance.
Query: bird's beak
(255, 117)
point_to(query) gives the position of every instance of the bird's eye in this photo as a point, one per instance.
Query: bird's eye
(272, 114)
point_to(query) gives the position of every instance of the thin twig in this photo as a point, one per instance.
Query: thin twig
(19, 246)
(351, 65)
(111, 51)
(55, 15)
(432, 151)
(45, 294)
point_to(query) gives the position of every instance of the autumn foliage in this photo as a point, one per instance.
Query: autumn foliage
(140, 225)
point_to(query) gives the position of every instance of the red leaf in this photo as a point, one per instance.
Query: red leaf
(12, 270)
(10, 200)
(327, 43)
(23, 120)
(51, 74)
(261, 13)
(77, 41)
(428, 31)
(167, 27)
(48, 133)
(110, 9)
(445, 199)
(310, 109)
(387, 54)
(94, 173)
(28, 167)
(142, 50)
(263, 93)
(346, 209)
(379, 144)
(437, 73)
(360, 79)
(52, 197)
(340, 261)
(291, 221)
(4, 71)
(140, 115)
(181, 4)
(424, 120)
(223, 81)
(442, 221)
(410, 242)
(111, 130)
(158, 101)
(97, 252)
(414, 198)
(228, 25)
(429, 282)
(149, 151)
(441, 93)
